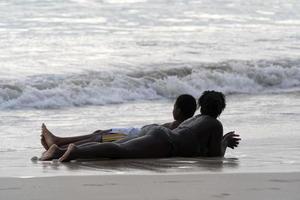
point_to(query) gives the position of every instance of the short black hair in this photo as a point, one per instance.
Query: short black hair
(212, 103)
(187, 105)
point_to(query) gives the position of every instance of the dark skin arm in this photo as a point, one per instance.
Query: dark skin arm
(216, 147)
(172, 125)
(230, 139)
(219, 143)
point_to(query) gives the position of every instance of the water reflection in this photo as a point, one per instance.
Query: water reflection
(166, 165)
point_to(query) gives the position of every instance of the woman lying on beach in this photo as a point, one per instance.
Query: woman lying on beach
(201, 135)
(184, 108)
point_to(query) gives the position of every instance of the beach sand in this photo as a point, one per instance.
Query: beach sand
(182, 186)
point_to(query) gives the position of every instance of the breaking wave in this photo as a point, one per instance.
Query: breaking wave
(100, 88)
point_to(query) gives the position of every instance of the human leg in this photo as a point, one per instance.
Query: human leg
(54, 152)
(48, 138)
(148, 146)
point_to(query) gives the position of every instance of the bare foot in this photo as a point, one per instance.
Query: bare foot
(49, 138)
(68, 154)
(43, 142)
(54, 152)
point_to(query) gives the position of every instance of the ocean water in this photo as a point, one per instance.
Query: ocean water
(82, 65)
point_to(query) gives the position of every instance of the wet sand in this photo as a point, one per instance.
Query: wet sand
(233, 186)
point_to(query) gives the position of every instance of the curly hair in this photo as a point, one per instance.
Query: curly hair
(187, 104)
(212, 103)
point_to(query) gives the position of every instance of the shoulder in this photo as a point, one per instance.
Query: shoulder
(212, 122)
(218, 124)
(209, 119)
(171, 125)
(167, 125)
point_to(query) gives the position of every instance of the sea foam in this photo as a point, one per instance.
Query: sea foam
(101, 88)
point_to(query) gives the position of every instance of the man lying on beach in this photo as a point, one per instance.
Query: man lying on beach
(201, 135)
(184, 108)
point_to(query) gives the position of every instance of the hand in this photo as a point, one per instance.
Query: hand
(231, 140)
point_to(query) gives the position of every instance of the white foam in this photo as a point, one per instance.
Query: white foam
(100, 88)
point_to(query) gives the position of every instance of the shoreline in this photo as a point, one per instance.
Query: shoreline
(232, 186)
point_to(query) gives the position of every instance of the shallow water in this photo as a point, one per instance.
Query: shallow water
(81, 65)
(268, 125)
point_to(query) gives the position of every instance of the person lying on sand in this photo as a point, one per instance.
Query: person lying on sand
(184, 108)
(201, 135)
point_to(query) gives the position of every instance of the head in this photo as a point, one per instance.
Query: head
(184, 107)
(212, 103)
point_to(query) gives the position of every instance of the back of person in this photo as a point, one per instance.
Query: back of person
(192, 137)
(201, 135)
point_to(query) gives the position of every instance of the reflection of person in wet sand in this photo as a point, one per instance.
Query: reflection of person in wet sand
(184, 108)
(201, 135)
